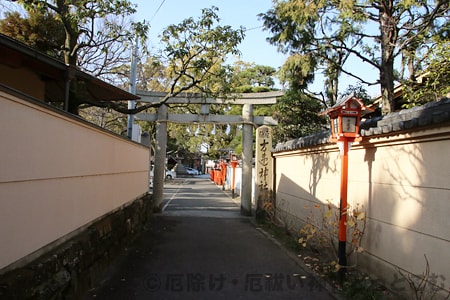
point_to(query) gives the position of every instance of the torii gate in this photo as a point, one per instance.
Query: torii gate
(247, 119)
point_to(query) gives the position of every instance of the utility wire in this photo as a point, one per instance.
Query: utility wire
(253, 28)
(159, 7)
(157, 11)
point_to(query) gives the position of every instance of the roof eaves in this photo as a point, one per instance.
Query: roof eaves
(101, 90)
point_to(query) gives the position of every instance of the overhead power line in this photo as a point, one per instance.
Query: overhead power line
(157, 10)
(253, 28)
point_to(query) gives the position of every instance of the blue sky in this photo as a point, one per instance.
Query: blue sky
(254, 48)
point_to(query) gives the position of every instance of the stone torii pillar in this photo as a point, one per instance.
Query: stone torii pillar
(160, 157)
(247, 157)
(247, 119)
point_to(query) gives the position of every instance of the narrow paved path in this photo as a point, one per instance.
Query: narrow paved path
(200, 247)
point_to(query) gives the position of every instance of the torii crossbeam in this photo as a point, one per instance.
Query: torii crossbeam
(247, 119)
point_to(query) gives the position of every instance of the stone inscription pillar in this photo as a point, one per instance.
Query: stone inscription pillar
(263, 171)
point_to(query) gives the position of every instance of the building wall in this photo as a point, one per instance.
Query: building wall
(401, 179)
(58, 174)
(14, 77)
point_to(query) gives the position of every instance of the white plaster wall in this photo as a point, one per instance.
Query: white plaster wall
(304, 179)
(402, 180)
(59, 174)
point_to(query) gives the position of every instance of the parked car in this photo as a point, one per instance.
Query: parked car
(170, 174)
(192, 171)
(151, 179)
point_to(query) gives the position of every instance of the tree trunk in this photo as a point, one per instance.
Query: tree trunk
(388, 39)
(70, 55)
(335, 84)
(387, 86)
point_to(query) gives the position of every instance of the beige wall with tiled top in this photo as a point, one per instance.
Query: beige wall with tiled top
(58, 174)
(403, 181)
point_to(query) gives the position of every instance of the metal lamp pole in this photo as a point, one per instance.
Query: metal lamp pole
(132, 103)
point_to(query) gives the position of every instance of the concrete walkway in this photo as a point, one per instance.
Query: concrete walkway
(200, 247)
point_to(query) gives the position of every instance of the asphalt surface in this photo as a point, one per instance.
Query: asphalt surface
(200, 247)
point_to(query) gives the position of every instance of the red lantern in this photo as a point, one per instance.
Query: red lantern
(345, 117)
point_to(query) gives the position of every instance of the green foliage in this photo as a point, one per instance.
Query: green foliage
(297, 116)
(322, 36)
(195, 49)
(196, 137)
(41, 31)
(359, 92)
(297, 71)
(241, 77)
(434, 83)
(151, 75)
(251, 75)
(80, 19)
(215, 80)
(362, 289)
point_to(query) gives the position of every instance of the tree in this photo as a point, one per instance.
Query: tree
(79, 19)
(195, 49)
(327, 33)
(433, 83)
(105, 118)
(297, 116)
(247, 77)
(192, 54)
(152, 75)
(224, 79)
(44, 31)
(84, 38)
(359, 92)
(41, 31)
(191, 60)
(191, 51)
(241, 77)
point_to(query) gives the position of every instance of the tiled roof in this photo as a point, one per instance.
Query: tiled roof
(430, 113)
(419, 116)
(319, 138)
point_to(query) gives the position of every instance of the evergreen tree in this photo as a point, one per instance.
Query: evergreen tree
(326, 33)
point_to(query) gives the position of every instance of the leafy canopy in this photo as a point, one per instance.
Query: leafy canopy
(80, 21)
(41, 31)
(194, 50)
(330, 36)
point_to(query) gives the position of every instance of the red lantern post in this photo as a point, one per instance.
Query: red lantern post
(345, 117)
(342, 236)
(234, 163)
(223, 173)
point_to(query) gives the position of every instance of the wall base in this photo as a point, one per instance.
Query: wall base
(70, 269)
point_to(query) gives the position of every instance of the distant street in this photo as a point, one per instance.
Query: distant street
(198, 197)
(200, 247)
